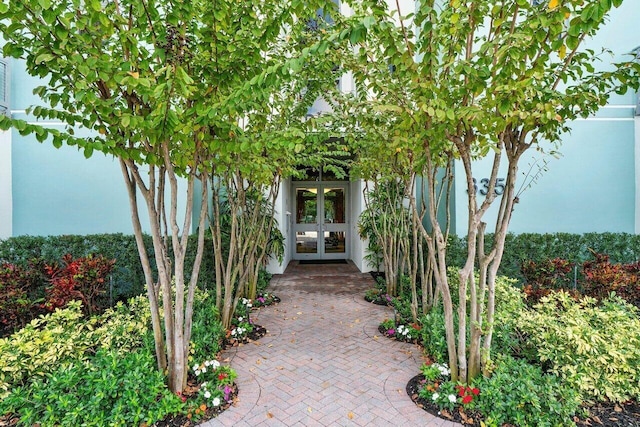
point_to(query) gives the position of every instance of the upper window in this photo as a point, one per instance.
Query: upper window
(4, 87)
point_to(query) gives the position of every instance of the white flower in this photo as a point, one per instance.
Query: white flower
(195, 367)
(452, 398)
(405, 332)
(204, 385)
(400, 328)
(206, 363)
(240, 319)
(234, 332)
(207, 394)
(197, 372)
(204, 370)
(409, 337)
(215, 401)
(249, 305)
(215, 364)
(435, 396)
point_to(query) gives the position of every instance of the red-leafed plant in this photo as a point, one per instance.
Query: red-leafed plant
(21, 292)
(601, 277)
(546, 276)
(81, 279)
(14, 303)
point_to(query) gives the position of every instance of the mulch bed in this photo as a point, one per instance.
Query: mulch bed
(211, 412)
(378, 300)
(257, 333)
(383, 331)
(600, 415)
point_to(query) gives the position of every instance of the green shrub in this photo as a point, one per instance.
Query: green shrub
(44, 344)
(594, 348)
(65, 337)
(433, 336)
(207, 332)
(576, 248)
(519, 394)
(112, 389)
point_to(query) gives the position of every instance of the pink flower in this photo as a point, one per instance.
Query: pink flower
(391, 332)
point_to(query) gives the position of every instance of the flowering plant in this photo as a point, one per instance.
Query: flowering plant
(216, 385)
(437, 388)
(265, 299)
(407, 333)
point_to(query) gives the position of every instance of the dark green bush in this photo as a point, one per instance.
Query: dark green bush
(114, 389)
(519, 394)
(576, 248)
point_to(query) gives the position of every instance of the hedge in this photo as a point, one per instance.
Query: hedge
(127, 279)
(621, 248)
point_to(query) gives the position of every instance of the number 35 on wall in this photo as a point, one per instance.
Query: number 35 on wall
(484, 186)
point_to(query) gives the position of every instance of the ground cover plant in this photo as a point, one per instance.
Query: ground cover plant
(67, 369)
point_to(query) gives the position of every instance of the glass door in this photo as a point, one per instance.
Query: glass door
(320, 224)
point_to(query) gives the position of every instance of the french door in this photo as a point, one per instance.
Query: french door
(320, 226)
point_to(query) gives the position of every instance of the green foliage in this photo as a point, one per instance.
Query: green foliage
(575, 248)
(54, 340)
(216, 381)
(594, 348)
(207, 332)
(127, 277)
(264, 279)
(520, 394)
(113, 388)
(433, 335)
(64, 337)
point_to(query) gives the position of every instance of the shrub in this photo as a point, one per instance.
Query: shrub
(81, 279)
(112, 389)
(21, 293)
(545, 276)
(207, 332)
(433, 335)
(518, 393)
(64, 337)
(594, 348)
(601, 278)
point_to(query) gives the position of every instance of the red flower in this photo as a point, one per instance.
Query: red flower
(475, 391)
(460, 390)
(222, 376)
(467, 399)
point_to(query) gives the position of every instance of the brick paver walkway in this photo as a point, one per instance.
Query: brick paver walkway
(323, 362)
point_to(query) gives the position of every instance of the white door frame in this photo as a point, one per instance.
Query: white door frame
(319, 226)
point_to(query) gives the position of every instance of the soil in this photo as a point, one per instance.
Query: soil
(383, 331)
(183, 420)
(257, 333)
(378, 300)
(600, 415)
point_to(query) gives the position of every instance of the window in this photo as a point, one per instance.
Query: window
(4, 88)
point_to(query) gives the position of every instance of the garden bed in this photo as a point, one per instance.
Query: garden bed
(601, 414)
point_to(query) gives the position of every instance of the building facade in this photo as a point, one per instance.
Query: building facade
(593, 187)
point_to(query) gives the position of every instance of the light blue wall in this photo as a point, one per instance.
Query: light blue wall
(592, 186)
(59, 191)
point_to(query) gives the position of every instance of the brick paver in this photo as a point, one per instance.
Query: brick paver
(323, 362)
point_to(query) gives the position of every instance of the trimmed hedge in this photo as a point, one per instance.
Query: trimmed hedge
(127, 278)
(621, 248)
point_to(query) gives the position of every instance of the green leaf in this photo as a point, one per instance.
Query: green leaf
(44, 57)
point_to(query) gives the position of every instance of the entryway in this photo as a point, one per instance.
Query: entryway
(320, 226)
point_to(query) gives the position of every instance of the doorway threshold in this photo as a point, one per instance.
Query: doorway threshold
(322, 261)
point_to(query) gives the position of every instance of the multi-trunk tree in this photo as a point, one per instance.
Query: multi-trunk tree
(168, 89)
(471, 80)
